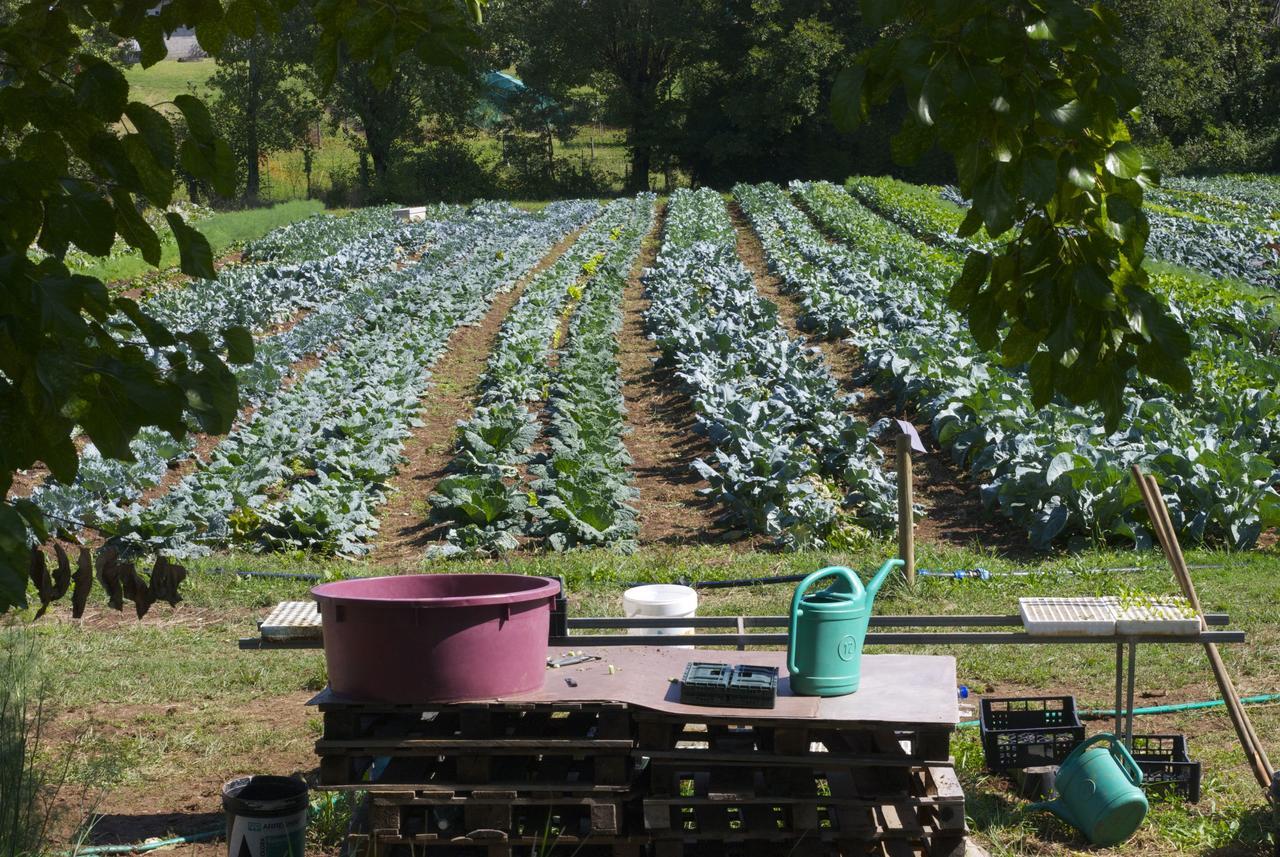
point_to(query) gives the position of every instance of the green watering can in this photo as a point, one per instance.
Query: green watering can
(1098, 791)
(824, 649)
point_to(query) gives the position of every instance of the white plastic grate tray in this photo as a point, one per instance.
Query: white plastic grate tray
(1165, 619)
(1056, 617)
(292, 620)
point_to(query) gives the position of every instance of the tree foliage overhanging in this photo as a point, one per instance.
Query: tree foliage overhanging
(1031, 99)
(77, 160)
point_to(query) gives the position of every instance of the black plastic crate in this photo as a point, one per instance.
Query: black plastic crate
(1027, 731)
(1166, 765)
(742, 686)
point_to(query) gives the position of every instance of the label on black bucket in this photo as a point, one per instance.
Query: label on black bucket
(268, 837)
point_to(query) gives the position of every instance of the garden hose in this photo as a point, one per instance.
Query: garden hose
(144, 847)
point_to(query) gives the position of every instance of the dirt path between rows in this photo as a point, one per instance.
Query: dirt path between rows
(405, 531)
(662, 441)
(953, 507)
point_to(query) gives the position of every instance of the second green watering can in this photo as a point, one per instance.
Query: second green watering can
(1099, 791)
(828, 627)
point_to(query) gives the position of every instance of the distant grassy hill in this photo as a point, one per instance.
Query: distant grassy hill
(168, 78)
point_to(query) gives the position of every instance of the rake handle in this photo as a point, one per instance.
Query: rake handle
(1162, 523)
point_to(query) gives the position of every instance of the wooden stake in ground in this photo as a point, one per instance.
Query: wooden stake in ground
(907, 441)
(1162, 523)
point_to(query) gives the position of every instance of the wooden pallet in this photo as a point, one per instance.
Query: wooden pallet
(359, 845)
(489, 812)
(552, 747)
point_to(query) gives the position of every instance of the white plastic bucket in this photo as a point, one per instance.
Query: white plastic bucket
(660, 600)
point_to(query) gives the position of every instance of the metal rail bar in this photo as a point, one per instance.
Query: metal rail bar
(604, 622)
(941, 638)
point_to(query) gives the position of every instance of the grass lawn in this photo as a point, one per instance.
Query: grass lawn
(161, 711)
(168, 78)
(224, 230)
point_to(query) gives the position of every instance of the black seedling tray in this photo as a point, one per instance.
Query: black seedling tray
(1166, 765)
(741, 686)
(1026, 732)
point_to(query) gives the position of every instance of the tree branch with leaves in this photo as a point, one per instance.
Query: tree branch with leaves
(1031, 100)
(78, 159)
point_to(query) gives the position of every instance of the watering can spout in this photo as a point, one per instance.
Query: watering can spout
(1058, 808)
(881, 576)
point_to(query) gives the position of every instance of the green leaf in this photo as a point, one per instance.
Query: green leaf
(199, 122)
(877, 13)
(1068, 115)
(157, 334)
(1040, 372)
(193, 248)
(239, 343)
(80, 216)
(1063, 462)
(156, 181)
(150, 36)
(994, 201)
(14, 555)
(101, 89)
(1020, 344)
(1040, 31)
(1039, 176)
(154, 130)
(212, 36)
(241, 19)
(134, 229)
(1124, 161)
(976, 267)
(848, 101)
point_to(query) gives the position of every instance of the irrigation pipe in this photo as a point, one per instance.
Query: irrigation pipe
(143, 847)
(1104, 713)
(958, 574)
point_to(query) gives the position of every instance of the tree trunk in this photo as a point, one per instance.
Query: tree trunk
(641, 157)
(252, 106)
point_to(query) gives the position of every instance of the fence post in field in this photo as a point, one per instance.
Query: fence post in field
(907, 441)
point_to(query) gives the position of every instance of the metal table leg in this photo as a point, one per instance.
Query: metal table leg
(1133, 658)
(1119, 686)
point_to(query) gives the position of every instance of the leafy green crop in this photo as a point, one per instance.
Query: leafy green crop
(1055, 469)
(789, 460)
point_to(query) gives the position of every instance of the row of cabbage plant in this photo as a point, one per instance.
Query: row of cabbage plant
(1055, 471)
(789, 459)
(486, 504)
(310, 468)
(584, 481)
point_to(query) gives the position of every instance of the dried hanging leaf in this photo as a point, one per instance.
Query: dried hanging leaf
(136, 588)
(61, 574)
(83, 583)
(39, 573)
(165, 579)
(109, 567)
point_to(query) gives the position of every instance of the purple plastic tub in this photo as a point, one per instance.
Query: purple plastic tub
(436, 637)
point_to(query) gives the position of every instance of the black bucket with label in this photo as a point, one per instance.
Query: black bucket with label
(266, 816)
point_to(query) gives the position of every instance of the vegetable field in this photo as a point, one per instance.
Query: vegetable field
(352, 320)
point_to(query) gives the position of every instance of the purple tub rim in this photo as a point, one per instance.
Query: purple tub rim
(547, 587)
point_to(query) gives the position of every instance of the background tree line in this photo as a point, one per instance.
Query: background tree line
(704, 91)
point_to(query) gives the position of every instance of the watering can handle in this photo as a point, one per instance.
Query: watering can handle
(1119, 752)
(852, 579)
(1128, 764)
